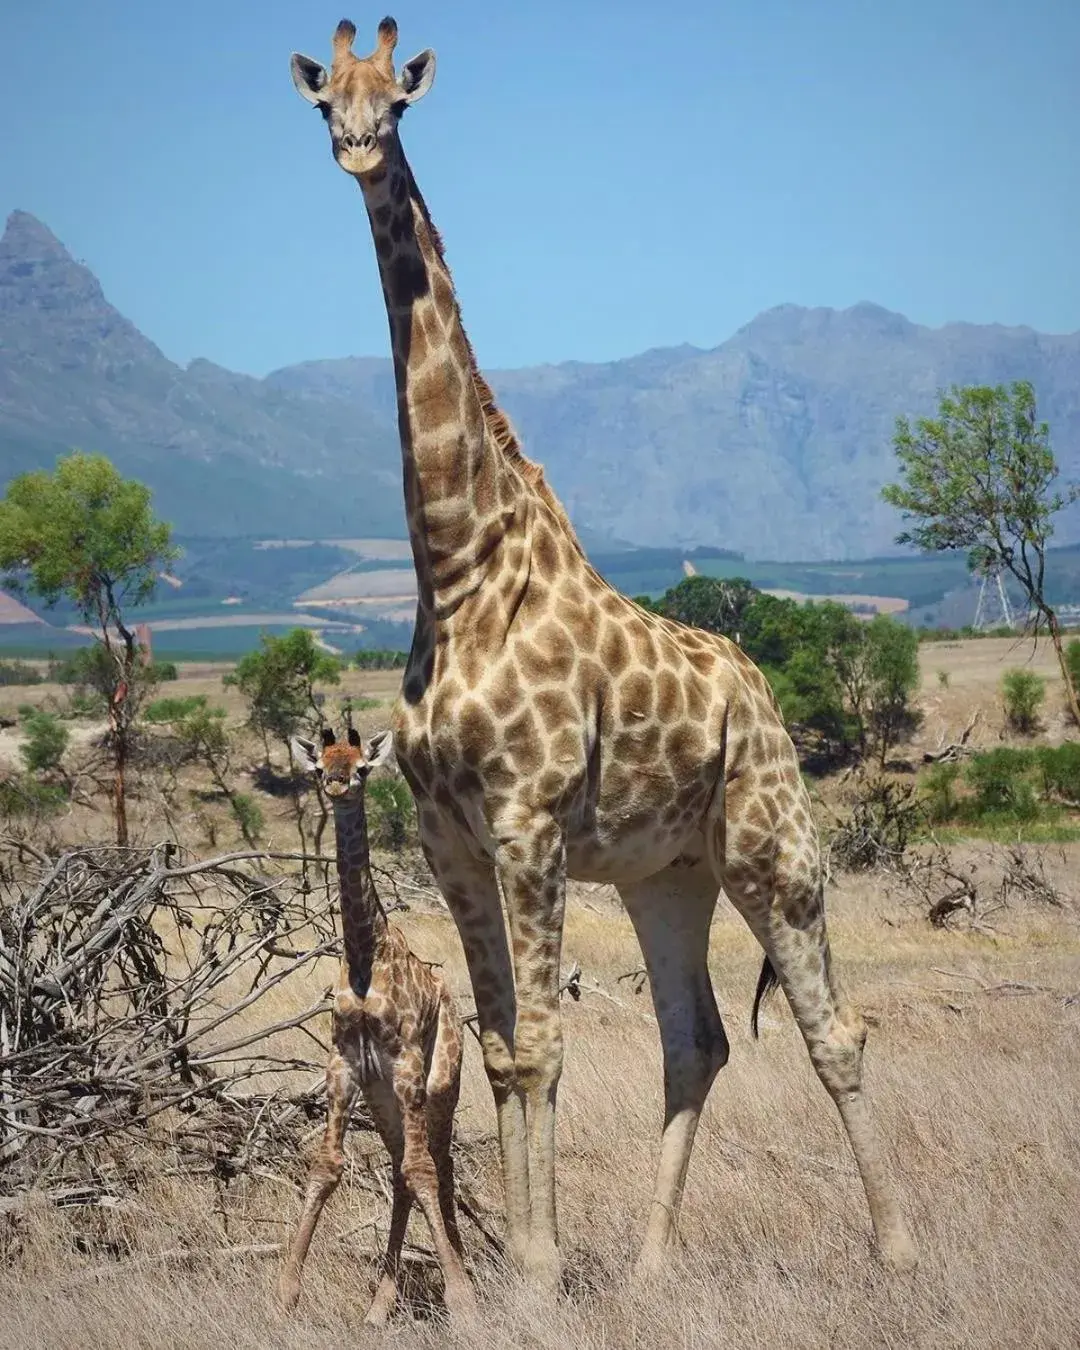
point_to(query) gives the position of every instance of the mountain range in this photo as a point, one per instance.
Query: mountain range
(775, 443)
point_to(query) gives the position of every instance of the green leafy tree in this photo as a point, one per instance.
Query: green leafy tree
(46, 741)
(892, 669)
(980, 477)
(717, 604)
(279, 681)
(86, 535)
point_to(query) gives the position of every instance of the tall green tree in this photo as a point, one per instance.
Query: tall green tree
(981, 478)
(84, 534)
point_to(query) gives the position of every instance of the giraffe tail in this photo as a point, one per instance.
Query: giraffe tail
(767, 982)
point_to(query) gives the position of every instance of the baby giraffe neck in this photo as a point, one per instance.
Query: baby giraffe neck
(363, 923)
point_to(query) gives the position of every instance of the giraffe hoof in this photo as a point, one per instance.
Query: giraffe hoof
(900, 1254)
(544, 1267)
(288, 1293)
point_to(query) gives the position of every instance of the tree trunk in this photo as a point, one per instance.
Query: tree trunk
(1066, 674)
(119, 788)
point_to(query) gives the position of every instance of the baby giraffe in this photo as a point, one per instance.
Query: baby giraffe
(397, 1039)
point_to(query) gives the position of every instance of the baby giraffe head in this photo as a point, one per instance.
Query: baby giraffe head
(362, 98)
(343, 768)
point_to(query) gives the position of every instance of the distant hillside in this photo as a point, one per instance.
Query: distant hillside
(774, 444)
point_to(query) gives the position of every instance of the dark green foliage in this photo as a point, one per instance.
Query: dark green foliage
(719, 605)
(165, 710)
(391, 813)
(163, 671)
(278, 681)
(380, 658)
(1022, 693)
(939, 787)
(18, 673)
(26, 795)
(1060, 769)
(1002, 784)
(45, 743)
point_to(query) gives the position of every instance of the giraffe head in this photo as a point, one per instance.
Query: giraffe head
(361, 98)
(343, 768)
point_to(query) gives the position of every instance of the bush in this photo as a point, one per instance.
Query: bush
(1022, 693)
(28, 796)
(391, 812)
(939, 793)
(1001, 781)
(46, 741)
(1072, 662)
(247, 814)
(161, 672)
(165, 710)
(18, 672)
(1060, 769)
(380, 658)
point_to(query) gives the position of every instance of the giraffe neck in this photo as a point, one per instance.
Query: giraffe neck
(459, 496)
(363, 923)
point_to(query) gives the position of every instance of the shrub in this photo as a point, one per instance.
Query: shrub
(160, 672)
(943, 679)
(46, 741)
(391, 812)
(1022, 693)
(1060, 769)
(18, 672)
(165, 710)
(1001, 781)
(380, 658)
(939, 789)
(884, 818)
(28, 796)
(1072, 662)
(247, 814)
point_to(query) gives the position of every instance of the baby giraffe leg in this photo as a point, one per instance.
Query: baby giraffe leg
(325, 1173)
(443, 1087)
(421, 1177)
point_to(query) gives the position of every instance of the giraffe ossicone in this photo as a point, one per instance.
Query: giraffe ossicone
(549, 727)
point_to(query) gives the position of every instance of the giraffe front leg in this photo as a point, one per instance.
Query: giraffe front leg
(325, 1173)
(472, 896)
(533, 875)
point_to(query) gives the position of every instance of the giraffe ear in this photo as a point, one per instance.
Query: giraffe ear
(304, 750)
(309, 77)
(417, 76)
(380, 749)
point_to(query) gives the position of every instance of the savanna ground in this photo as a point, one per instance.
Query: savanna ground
(973, 1065)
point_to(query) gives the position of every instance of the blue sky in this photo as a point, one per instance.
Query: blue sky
(607, 177)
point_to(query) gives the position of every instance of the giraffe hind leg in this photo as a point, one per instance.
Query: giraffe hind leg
(766, 854)
(671, 913)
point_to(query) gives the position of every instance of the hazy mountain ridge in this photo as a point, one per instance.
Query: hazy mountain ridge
(774, 443)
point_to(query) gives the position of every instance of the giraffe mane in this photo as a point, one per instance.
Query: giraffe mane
(499, 426)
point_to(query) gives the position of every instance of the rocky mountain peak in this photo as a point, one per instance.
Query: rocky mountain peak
(53, 310)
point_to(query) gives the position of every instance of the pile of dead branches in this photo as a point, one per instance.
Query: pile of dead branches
(141, 1000)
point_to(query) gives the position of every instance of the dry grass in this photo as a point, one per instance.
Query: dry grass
(978, 1096)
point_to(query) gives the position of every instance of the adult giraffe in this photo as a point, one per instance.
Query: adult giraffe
(549, 727)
